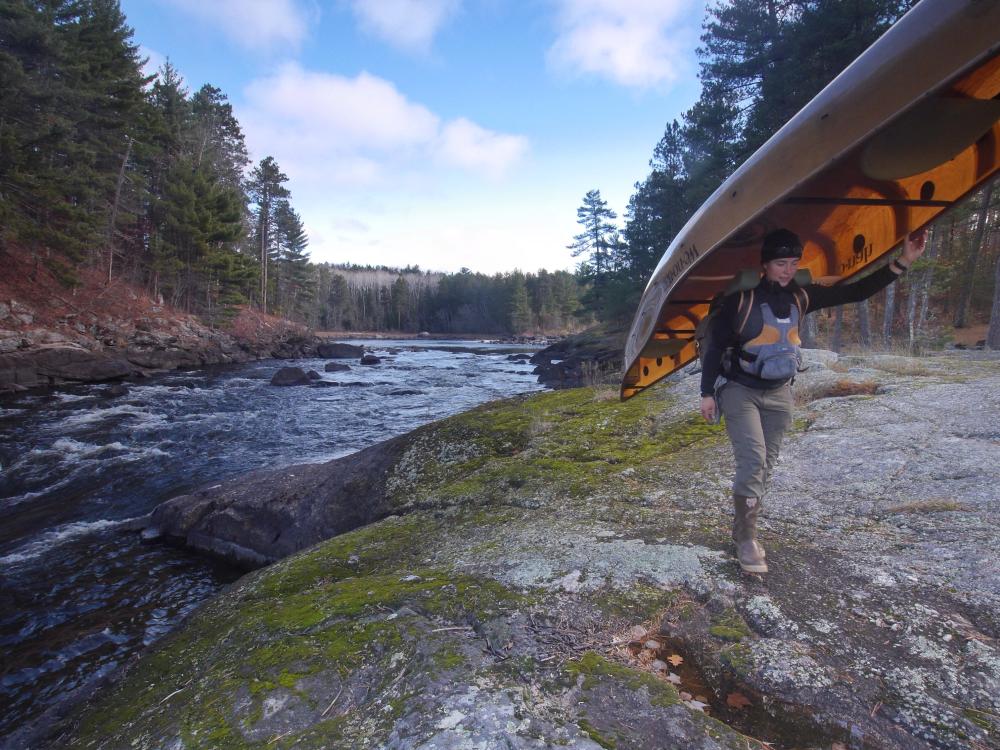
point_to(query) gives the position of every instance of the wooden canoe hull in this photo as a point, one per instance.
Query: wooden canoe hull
(907, 130)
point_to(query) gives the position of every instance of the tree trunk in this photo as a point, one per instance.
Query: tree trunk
(114, 207)
(864, 324)
(838, 328)
(890, 312)
(264, 209)
(927, 278)
(993, 333)
(911, 315)
(969, 267)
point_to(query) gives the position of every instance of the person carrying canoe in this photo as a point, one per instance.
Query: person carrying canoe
(751, 358)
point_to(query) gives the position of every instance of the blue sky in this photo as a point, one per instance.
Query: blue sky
(441, 133)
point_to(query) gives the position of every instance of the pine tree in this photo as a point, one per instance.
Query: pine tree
(266, 189)
(597, 242)
(400, 304)
(519, 317)
(218, 140)
(295, 281)
(198, 219)
(70, 85)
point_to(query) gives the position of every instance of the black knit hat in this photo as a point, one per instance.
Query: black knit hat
(781, 243)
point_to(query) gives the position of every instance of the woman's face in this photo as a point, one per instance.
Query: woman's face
(781, 270)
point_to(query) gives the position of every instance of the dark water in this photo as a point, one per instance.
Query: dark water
(79, 593)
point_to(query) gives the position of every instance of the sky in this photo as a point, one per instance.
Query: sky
(440, 133)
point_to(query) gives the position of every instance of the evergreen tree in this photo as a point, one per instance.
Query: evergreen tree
(198, 219)
(218, 140)
(598, 241)
(70, 84)
(519, 309)
(266, 189)
(295, 282)
(400, 307)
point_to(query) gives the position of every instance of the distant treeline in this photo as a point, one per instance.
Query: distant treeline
(364, 299)
(104, 167)
(761, 63)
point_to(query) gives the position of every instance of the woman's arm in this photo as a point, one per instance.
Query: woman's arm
(720, 335)
(841, 294)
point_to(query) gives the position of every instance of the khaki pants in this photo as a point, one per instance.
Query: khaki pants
(756, 422)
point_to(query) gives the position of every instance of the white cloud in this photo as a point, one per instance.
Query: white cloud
(328, 128)
(254, 24)
(440, 240)
(636, 43)
(407, 24)
(465, 144)
(154, 60)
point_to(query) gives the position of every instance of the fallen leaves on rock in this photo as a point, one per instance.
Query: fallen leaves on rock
(737, 700)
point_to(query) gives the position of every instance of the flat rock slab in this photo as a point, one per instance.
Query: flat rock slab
(555, 571)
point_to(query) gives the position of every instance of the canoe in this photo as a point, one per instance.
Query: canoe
(906, 131)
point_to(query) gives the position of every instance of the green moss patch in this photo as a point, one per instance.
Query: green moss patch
(595, 669)
(738, 658)
(558, 444)
(729, 626)
(640, 602)
(591, 731)
(329, 610)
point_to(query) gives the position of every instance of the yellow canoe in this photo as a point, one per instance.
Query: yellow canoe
(908, 129)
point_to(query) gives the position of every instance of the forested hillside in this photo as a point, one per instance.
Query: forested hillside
(760, 64)
(104, 167)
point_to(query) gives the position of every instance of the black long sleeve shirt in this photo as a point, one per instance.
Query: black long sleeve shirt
(722, 334)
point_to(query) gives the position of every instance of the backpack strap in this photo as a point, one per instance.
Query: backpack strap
(743, 309)
(801, 301)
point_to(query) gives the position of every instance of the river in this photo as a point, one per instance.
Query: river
(79, 593)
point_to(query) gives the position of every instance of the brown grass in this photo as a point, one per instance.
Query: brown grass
(901, 366)
(839, 388)
(939, 505)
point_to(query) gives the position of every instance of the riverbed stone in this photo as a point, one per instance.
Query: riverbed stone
(290, 376)
(337, 350)
(503, 561)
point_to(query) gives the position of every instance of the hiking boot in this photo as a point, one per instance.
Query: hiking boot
(749, 553)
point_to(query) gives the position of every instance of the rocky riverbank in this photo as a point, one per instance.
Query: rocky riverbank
(555, 571)
(586, 358)
(95, 331)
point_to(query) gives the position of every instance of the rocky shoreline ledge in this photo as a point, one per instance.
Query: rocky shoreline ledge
(116, 348)
(554, 571)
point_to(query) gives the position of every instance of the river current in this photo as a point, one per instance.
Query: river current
(79, 592)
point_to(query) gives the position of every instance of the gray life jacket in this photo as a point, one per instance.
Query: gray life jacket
(774, 353)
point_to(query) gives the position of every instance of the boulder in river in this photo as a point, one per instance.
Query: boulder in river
(336, 367)
(290, 376)
(313, 375)
(370, 359)
(336, 350)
